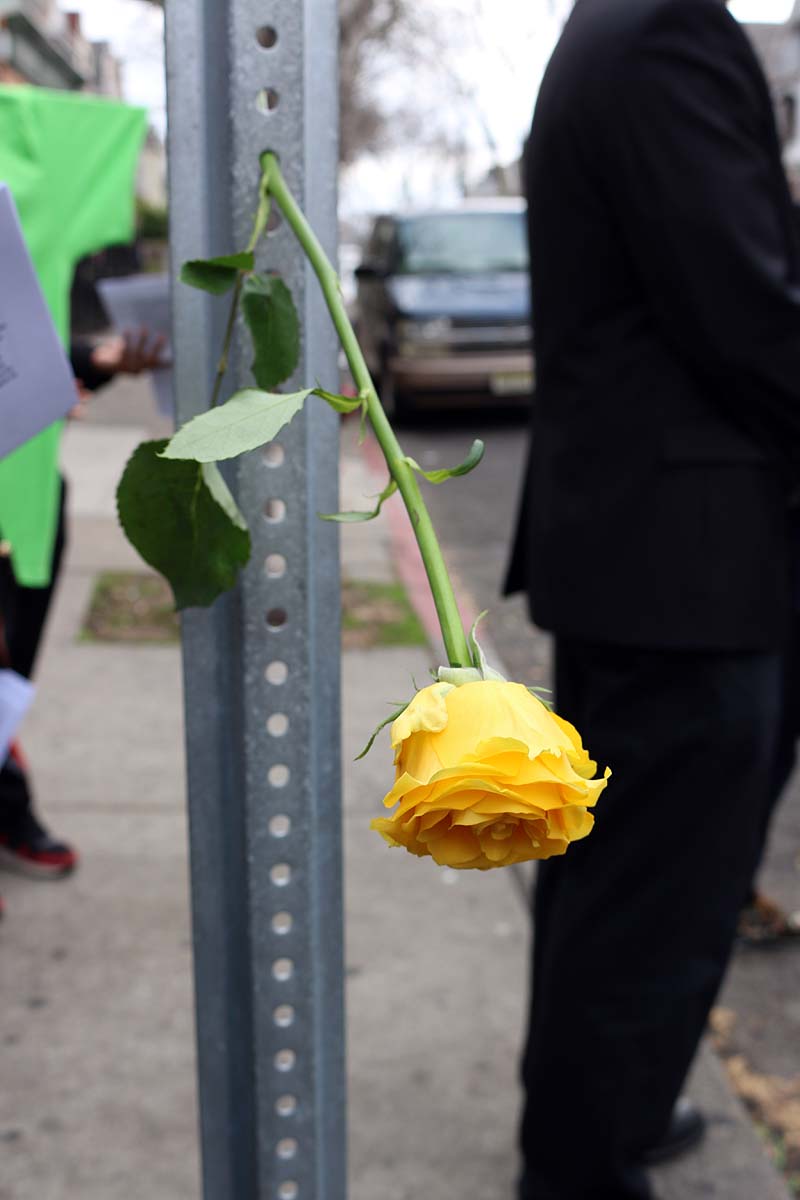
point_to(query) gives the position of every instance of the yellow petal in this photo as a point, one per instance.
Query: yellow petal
(426, 713)
(455, 848)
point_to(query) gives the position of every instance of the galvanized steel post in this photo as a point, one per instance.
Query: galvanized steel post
(262, 667)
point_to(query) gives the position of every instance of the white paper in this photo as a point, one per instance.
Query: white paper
(16, 696)
(136, 300)
(36, 382)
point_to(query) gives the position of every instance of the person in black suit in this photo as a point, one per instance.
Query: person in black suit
(653, 540)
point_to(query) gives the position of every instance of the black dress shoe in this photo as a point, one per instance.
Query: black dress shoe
(686, 1128)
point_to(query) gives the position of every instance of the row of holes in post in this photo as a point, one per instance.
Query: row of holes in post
(277, 673)
(267, 98)
(280, 825)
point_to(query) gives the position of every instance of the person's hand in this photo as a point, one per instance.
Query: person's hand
(131, 354)
(78, 410)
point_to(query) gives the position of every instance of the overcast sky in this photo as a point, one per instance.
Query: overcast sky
(502, 55)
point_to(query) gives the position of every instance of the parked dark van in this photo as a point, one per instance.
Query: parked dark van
(443, 309)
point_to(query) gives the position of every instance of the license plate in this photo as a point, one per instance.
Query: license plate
(511, 383)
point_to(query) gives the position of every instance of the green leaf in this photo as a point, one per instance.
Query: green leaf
(183, 520)
(350, 517)
(540, 694)
(340, 404)
(216, 275)
(443, 473)
(392, 717)
(249, 419)
(272, 319)
(221, 493)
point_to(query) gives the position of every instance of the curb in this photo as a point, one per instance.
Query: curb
(407, 561)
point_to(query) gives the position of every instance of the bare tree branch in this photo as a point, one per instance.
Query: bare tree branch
(376, 37)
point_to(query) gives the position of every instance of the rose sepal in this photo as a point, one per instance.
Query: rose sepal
(480, 670)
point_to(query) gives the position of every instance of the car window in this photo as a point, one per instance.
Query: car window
(462, 243)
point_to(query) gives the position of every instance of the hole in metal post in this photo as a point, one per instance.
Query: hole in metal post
(282, 969)
(276, 673)
(286, 1106)
(275, 566)
(284, 1060)
(275, 511)
(267, 100)
(286, 1148)
(276, 619)
(278, 775)
(273, 454)
(280, 825)
(277, 724)
(266, 36)
(283, 1016)
(281, 874)
(282, 923)
(288, 1190)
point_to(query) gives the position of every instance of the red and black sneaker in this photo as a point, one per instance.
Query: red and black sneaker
(32, 851)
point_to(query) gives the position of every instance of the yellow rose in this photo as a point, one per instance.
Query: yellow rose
(487, 776)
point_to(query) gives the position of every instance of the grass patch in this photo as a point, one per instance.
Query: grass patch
(137, 607)
(378, 614)
(131, 606)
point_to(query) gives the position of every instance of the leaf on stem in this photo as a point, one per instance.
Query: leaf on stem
(183, 520)
(339, 404)
(272, 319)
(350, 517)
(250, 418)
(392, 717)
(216, 275)
(444, 473)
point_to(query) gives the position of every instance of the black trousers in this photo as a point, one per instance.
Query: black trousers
(24, 613)
(633, 928)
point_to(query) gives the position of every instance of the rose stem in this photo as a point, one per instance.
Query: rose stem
(444, 598)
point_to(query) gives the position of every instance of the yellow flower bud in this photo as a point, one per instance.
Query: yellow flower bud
(487, 776)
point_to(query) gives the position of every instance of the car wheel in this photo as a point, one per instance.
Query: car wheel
(396, 404)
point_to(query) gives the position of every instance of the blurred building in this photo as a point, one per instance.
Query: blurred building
(42, 45)
(151, 180)
(778, 47)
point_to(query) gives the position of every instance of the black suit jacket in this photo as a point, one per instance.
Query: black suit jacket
(666, 310)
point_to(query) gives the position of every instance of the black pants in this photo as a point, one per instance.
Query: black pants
(24, 613)
(634, 926)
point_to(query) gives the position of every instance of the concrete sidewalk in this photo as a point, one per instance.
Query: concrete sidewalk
(98, 1097)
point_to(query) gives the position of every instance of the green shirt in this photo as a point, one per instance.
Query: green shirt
(69, 160)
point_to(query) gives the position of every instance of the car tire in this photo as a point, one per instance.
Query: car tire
(396, 404)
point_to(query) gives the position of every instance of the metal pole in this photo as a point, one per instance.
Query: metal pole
(261, 669)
